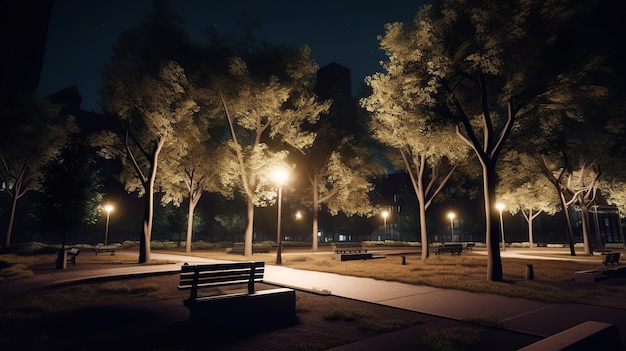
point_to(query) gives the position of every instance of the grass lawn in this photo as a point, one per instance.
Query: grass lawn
(36, 319)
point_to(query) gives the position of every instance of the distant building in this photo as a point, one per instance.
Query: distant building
(334, 82)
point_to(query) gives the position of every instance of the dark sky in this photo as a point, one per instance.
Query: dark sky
(83, 32)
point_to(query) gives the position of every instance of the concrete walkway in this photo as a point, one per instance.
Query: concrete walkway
(515, 314)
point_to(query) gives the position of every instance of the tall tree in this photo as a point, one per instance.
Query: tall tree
(488, 62)
(522, 188)
(71, 185)
(33, 132)
(428, 153)
(152, 112)
(340, 178)
(261, 110)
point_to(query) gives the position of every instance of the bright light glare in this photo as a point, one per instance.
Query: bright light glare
(108, 208)
(451, 215)
(280, 176)
(500, 206)
(385, 214)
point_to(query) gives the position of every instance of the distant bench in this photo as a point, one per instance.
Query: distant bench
(453, 249)
(250, 306)
(238, 249)
(348, 247)
(71, 256)
(108, 248)
(611, 258)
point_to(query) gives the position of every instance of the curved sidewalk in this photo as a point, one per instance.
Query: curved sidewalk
(515, 314)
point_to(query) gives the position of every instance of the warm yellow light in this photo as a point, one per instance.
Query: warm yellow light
(385, 214)
(280, 176)
(298, 215)
(451, 215)
(500, 206)
(108, 208)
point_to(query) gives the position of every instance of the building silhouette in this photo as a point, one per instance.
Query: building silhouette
(23, 32)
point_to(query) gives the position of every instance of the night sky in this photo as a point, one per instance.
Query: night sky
(83, 32)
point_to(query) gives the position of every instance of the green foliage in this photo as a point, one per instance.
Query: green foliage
(30, 249)
(71, 184)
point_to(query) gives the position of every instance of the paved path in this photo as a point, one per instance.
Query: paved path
(520, 315)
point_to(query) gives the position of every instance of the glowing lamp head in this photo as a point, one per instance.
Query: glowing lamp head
(500, 206)
(451, 215)
(108, 208)
(280, 176)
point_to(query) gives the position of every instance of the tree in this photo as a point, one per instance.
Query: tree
(152, 111)
(196, 172)
(32, 134)
(488, 63)
(523, 189)
(429, 154)
(341, 181)
(71, 184)
(265, 109)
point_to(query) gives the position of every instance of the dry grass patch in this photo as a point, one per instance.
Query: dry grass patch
(367, 320)
(452, 339)
(465, 272)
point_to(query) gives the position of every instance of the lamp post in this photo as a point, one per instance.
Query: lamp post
(500, 207)
(280, 177)
(451, 215)
(385, 214)
(107, 208)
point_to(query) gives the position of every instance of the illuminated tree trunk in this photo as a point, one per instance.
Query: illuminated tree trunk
(249, 228)
(316, 210)
(492, 230)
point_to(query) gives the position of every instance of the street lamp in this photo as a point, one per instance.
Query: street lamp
(107, 208)
(451, 215)
(385, 214)
(500, 207)
(280, 176)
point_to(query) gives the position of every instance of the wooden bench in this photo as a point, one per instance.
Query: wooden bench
(453, 249)
(238, 249)
(611, 258)
(249, 306)
(70, 255)
(348, 247)
(108, 248)
(470, 246)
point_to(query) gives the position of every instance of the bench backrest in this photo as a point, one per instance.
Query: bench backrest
(451, 247)
(345, 244)
(220, 274)
(73, 251)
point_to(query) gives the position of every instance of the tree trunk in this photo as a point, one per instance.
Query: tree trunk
(492, 230)
(530, 229)
(193, 201)
(247, 248)
(144, 241)
(422, 206)
(568, 223)
(14, 198)
(314, 238)
(584, 213)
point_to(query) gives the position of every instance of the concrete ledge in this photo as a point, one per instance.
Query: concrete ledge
(589, 276)
(590, 335)
(353, 256)
(262, 306)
